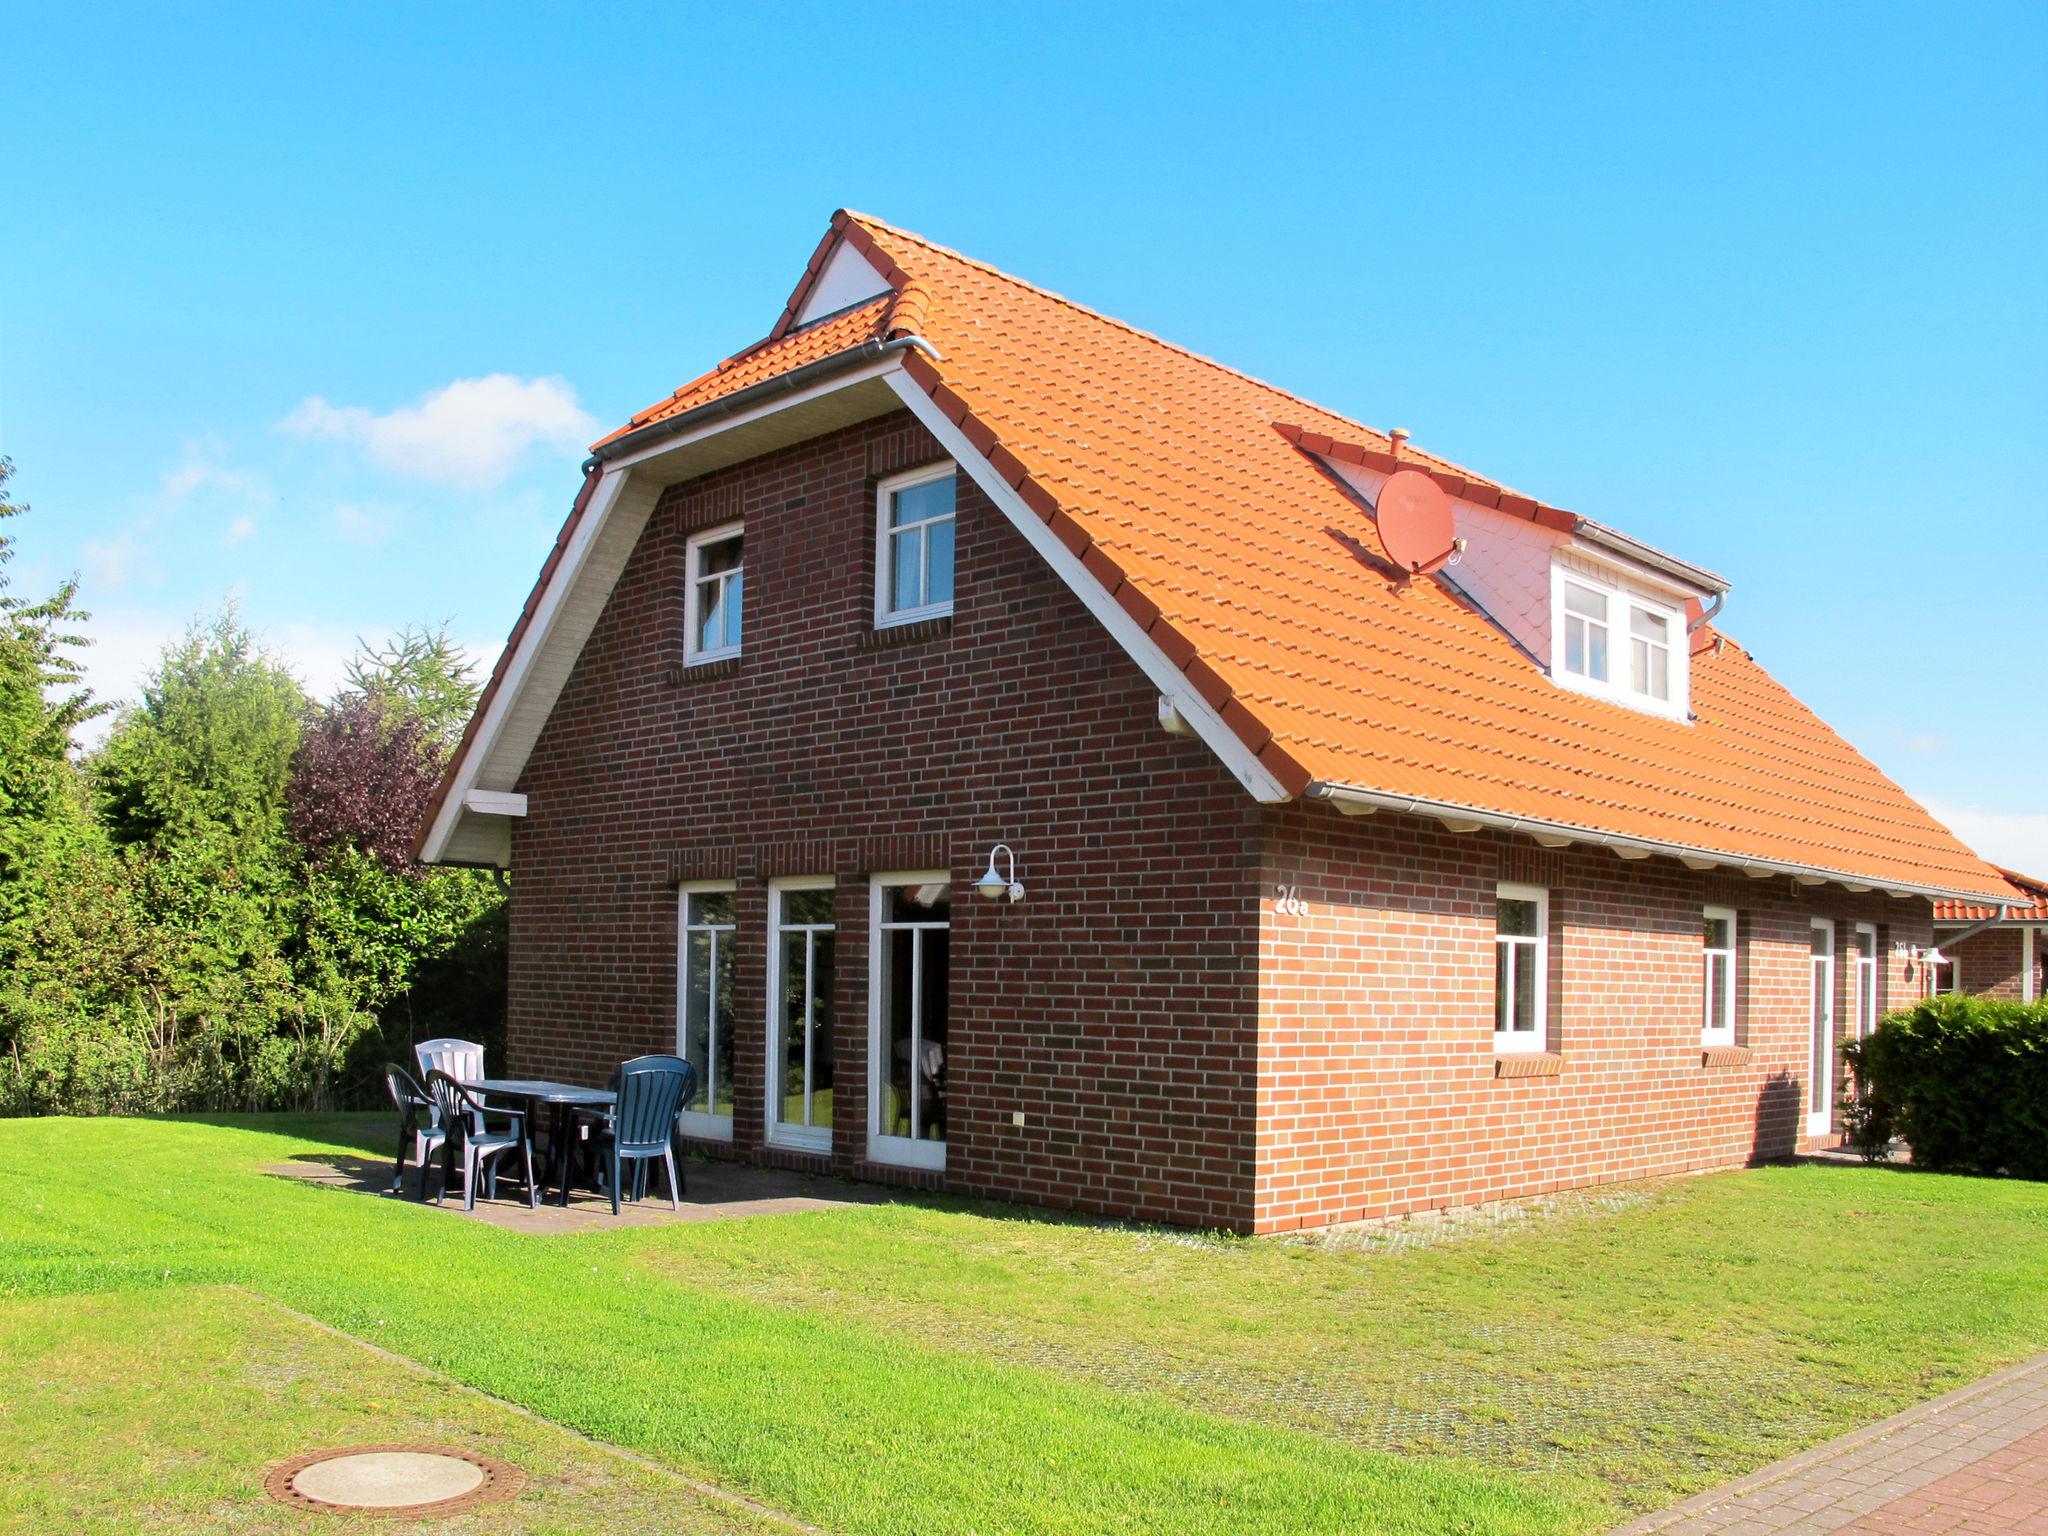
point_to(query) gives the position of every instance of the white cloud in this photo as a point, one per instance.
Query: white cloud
(2016, 839)
(470, 434)
(238, 529)
(110, 562)
(205, 467)
(361, 525)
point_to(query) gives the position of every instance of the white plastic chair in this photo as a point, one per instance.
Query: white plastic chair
(462, 1060)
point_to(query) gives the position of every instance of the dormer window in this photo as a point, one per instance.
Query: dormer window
(1613, 638)
(1649, 654)
(1585, 632)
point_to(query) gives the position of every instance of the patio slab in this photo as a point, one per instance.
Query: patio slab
(713, 1192)
(1971, 1463)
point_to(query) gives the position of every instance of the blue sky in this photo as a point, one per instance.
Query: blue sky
(313, 306)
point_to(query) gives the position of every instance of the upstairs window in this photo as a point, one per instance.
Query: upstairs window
(1649, 654)
(914, 546)
(1585, 632)
(712, 593)
(1617, 644)
(1521, 967)
(1717, 1023)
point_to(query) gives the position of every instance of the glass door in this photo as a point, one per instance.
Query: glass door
(802, 945)
(1820, 1076)
(910, 958)
(704, 1007)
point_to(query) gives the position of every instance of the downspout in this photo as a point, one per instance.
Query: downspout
(2004, 908)
(1707, 613)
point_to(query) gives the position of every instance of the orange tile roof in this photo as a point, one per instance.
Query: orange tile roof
(1225, 539)
(769, 358)
(2030, 894)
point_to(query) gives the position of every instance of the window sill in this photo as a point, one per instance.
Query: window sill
(1527, 1064)
(681, 672)
(891, 635)
(1724, 1056)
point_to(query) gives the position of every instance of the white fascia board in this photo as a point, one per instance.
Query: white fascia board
(632, 483)
(838, 381)
(488, 730)
(1171, 682)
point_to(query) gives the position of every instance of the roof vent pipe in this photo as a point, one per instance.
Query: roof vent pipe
(1396, 436)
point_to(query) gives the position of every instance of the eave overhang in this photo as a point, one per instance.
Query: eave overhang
(1559, 833)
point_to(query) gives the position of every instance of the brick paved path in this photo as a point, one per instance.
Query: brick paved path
(1973, 1463)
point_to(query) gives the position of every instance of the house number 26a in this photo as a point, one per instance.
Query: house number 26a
(1289, 902)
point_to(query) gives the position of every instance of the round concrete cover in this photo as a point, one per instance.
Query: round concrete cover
(387, 1479)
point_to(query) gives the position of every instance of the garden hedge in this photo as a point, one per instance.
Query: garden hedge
(1963, 1079)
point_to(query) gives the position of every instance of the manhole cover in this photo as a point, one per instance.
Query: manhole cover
(392, 1479)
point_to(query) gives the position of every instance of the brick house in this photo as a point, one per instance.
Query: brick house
(1994, 951)
(1317, 887)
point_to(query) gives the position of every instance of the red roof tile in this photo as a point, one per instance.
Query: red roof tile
(2030, 898)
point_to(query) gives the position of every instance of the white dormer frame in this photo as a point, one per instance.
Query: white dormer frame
(1625, 591)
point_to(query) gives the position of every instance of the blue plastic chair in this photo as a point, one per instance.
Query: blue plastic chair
(462, 1121)
(641, 1126)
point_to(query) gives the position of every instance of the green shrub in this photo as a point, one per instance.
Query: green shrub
(1963, 1079)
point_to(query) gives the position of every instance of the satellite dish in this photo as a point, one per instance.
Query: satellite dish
(1417, 526)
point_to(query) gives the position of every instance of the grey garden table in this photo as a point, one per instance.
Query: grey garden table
(560, 1098)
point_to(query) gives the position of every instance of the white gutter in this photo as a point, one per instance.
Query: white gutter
(1342, 795)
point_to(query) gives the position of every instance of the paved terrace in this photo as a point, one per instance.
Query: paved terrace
(1973, 1463)
(712, 1192)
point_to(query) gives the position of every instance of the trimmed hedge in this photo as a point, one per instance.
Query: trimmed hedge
(1963, 1079)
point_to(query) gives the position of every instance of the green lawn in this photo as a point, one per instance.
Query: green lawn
(946, 1366)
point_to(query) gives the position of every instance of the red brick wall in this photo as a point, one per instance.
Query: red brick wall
(1113, 1008)
(1993, 963)
(1179, 1049)
(1377, 1087)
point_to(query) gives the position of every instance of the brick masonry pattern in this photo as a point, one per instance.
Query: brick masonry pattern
(1179, 1047)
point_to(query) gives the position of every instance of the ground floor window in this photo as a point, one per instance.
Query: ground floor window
(1820, 1073)
(1521, 967)
(1866, 979)
(1717, 1024)
(704, 1006)
(911, 958)
(801, 951)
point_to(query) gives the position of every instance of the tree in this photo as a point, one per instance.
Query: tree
(42, 700)
(418, 674)
(362, 780)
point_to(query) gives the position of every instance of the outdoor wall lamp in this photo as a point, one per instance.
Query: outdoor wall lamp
(995, 885)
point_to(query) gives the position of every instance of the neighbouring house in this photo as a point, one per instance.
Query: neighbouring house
(1990, 950)
(1001, 749)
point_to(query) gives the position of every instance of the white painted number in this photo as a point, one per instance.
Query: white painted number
(1289, 902)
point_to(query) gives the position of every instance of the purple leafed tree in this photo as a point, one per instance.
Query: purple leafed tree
(362, 779)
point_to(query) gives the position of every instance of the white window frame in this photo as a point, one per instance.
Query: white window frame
(701, 1123)
(693, 557)
(1821, 988)
(1719, 1031)
(1512, 1042)
(2029, 958)
(885, 552)
(780, 1133)
(901, 1151)
(1867, 966)
(1624, 598)
(1565, 618)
